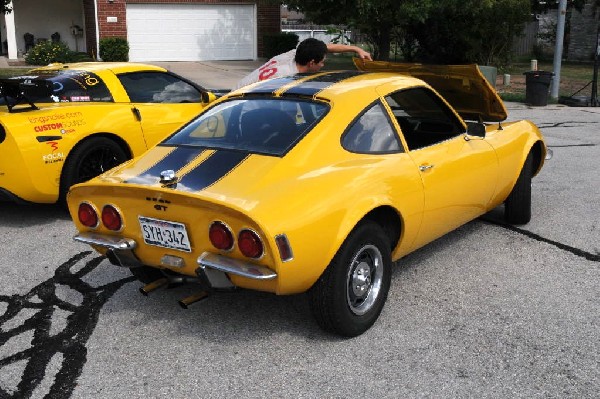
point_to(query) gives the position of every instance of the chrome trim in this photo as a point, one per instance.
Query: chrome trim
(235, 266)
(106, 241)
(119, 249)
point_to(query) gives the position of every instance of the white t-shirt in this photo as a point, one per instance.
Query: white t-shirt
(277, 67)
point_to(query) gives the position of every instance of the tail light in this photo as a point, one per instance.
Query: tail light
(250, 244)
(220, 236)
(87, 215)
(111, 218)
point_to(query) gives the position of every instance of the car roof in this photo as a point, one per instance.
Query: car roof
(332, 85)
(115, 67)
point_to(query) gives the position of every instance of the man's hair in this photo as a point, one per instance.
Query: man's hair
(310, 50)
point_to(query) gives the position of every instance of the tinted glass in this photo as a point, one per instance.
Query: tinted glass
(158, 87)
(423, 117)
(372, 132)
(261, 125)
(71, 86)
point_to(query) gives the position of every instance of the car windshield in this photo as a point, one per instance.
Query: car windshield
(70, 86)
(260, 125)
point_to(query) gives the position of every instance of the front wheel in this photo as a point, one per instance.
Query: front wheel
(90, 158)
(349, 296)
(517, 207)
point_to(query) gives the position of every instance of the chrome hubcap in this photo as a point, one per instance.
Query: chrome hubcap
(364, 279)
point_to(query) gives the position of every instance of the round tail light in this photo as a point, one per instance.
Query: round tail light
(220, 236)
(87, 215)
(111, 218)
(250, 244)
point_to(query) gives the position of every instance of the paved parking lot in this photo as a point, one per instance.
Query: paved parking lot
(486, 311)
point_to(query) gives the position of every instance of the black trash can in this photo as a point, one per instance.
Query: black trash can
(537, 86)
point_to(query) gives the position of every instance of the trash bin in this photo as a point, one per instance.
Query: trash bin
(537, 86)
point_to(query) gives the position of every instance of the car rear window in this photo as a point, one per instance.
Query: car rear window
(260, 125)
(71, 86)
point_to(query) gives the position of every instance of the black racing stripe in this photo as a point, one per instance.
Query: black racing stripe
(270, 86)
(175, 160)
(320, 83)
(213, 169)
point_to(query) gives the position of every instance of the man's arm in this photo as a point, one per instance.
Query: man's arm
(343, 48)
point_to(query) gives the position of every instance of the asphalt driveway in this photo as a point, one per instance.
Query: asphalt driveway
(488, 311)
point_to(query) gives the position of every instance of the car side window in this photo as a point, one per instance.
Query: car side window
(158, 87)
(423, 117)
(372, 132)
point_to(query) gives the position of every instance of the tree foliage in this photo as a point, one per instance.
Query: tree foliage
(436, 31)
(379, 20)
(465, 31)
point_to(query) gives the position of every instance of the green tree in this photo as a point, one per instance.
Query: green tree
(470, 31)
(440, 31)
(379, 20)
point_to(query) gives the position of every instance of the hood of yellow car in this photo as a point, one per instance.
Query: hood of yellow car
(463, 86)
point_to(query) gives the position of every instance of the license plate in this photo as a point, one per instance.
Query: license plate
(166, 234)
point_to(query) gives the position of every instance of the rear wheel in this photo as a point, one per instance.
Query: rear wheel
(349, 296)
(89, 159)
(517, 207)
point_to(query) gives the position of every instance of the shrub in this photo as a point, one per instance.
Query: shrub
(114, 49)
(47, 52)
(279, 43)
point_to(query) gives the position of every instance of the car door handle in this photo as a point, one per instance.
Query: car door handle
(423, 168)
(137, 114)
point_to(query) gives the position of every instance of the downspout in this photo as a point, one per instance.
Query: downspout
(97, 29)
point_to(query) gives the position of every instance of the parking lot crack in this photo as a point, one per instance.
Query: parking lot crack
(575, 251)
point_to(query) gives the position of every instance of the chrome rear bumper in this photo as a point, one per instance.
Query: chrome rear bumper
(120, 252)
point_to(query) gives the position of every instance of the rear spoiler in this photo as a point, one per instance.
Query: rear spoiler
(19, 91)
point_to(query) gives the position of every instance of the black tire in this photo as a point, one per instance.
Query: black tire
(90, 158)
(347, 311)
(146, 274)
(517, 207)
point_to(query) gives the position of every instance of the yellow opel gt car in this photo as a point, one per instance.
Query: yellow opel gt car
(64, 124)
(314, 183)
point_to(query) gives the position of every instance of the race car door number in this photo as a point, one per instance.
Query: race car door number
(166, 234)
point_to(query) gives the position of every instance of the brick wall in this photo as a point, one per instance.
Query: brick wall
(268, 17)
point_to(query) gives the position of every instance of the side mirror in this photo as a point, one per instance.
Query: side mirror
(208, 97)
(476, 129)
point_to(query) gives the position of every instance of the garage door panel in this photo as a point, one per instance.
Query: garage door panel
(190, 32)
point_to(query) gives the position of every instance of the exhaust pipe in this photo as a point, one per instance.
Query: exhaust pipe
(148, 288)
(186, 302)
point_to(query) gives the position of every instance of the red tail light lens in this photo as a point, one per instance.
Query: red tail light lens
(87, 215)
(250, 244)
(111, 218)
(220, 236)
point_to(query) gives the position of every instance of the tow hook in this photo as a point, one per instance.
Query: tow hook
(187, 301)
(148, 288)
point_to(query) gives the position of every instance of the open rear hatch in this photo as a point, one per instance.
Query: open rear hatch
(463, 86)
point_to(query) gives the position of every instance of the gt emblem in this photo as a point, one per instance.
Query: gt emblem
(168, 178)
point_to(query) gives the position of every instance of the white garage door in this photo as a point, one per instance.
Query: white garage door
(191, 32)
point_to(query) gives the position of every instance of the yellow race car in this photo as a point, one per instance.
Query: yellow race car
(64, 124)
(314, 183)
